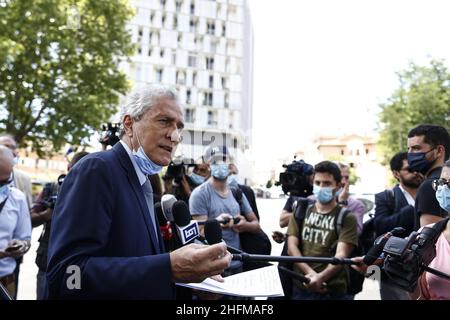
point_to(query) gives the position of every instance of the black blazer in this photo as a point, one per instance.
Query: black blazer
(386, 218)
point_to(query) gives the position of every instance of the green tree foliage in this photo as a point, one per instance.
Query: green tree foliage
(59, 77)
(422, 98)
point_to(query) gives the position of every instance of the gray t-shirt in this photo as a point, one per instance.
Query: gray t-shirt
(205, 200)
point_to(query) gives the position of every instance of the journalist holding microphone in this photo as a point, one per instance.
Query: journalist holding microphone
(104, 224)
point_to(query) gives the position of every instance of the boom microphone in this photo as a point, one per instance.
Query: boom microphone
(213, 234)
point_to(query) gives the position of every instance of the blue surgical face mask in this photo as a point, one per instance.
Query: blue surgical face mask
(196, 179)
(323, 194)
(417, 161)
(144, 163)
(443, 197)
(232, 181)
(338, 193)
(220, 171)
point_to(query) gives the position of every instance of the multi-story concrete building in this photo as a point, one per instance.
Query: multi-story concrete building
(205, 49)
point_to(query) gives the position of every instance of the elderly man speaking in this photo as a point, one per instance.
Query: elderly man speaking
(104, 226)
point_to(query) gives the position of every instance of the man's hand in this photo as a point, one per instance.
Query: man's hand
(224, 217)
(15, 249)
(239, 227)
(278, 236)
(316, 283)
(345, 192)
(195, 263)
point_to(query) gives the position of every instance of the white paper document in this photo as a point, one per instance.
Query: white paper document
(263, 282)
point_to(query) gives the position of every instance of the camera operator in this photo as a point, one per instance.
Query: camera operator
(176, 180)
(41, 213)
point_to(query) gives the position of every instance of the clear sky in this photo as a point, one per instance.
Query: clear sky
(324, 66)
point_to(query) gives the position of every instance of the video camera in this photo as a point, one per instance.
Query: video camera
(110, 135)
(405, 259)
(50, 192)
(295, 181)
(177, 168)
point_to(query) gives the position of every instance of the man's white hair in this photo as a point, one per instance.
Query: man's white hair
(6, 155)
(141, 100)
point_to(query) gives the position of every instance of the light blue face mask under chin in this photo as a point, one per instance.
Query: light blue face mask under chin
(144, 163)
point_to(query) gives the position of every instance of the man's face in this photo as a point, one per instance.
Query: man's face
(416, 144)
(159, 131)
(6, 169)
(345, 172)
(10, 144)
(445, 174)
(409, 179)
(233, 169)
(202, 170)
(325, 180)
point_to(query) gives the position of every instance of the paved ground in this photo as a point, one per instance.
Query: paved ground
(269, 211)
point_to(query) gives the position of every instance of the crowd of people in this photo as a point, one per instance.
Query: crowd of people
(101, 217)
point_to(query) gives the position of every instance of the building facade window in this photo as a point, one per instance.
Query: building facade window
(212, 118)
(207, 99)
(159, 74)
(188, 96)
(192, 60)
(211, 27)
(210, 63)
(211, 81)
(189, 115)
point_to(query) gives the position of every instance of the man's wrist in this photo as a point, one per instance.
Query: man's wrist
(343, 202)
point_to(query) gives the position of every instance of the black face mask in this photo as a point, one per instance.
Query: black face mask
(417, 161)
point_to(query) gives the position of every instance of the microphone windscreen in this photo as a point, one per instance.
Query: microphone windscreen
(181, 214)
(159, 213)
(167, 202)
(213, 231)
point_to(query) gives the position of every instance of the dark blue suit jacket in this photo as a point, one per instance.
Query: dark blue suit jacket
(386, 218)
(101, 223)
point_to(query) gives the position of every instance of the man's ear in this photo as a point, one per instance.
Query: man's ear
(396, 174)
(128, 126)
(441, 150)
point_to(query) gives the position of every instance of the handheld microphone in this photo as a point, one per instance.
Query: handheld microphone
(213, 234)
(164, 225)
(167, 202)
(187, 229)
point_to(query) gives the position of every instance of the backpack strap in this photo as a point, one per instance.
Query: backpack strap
(441, 225)
(390, 199)
(339, 221)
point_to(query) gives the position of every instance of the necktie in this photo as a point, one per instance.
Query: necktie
(148, 194)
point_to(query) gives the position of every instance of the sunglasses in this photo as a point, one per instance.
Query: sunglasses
(440, 182)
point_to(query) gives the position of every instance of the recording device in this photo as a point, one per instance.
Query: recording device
(50, 192)
(13, 248)
(177, 169)
(187, 229)
(110, 134)
(405, 259)
(295, 180)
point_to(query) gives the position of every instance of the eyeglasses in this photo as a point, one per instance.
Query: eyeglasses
(440, 182)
